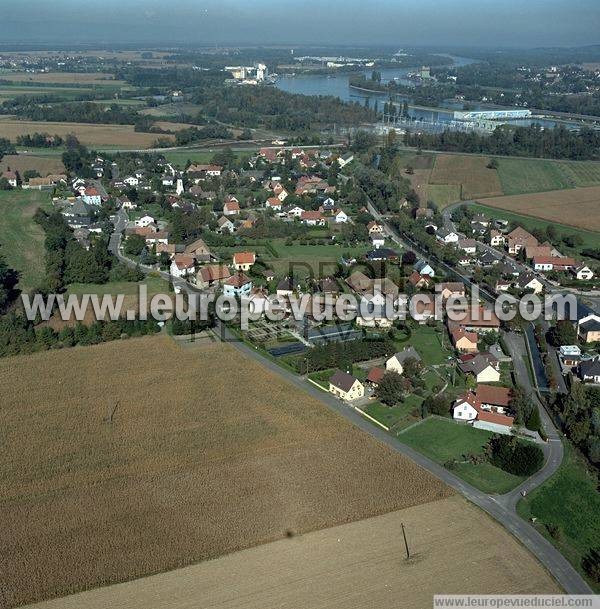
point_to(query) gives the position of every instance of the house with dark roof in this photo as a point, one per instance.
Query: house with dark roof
(345, 386)
(589, 371)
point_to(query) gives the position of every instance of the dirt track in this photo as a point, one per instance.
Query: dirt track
(457, 549)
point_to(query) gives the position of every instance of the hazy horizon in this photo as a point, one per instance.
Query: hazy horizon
(466, 23)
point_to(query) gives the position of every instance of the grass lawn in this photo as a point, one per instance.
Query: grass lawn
(396, 417)
(569, 500)
(444, 440)
(428, 344)
(21, 239)
(320, 258)
(179, 158)
(518, 176)
(591, 239)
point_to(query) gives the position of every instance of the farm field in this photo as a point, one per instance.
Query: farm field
(444, 440)
(582, 173)
(87, 133)
(570, 501)
(469, 172)
(352, 566)
(576, 207)
(441, 194)
(182, 473)
(21, 239)
(85, 78)
(518, 176)
(44, 165)
(590, 239)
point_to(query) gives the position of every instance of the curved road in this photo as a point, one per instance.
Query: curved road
(501, 507)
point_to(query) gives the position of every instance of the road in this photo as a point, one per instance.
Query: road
(501, 507)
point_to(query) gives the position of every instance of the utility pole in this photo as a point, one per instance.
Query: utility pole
(405, 542)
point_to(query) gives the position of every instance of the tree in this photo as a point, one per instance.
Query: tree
(438, 404)
(515, 456)
(389, 390)
(493, 164)
(534, 422)
(9, 278)
(135, 245)
(563, 333)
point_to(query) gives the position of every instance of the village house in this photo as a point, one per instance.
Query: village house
(468, 246)
(212, 275)
(477, 319)
(345, 159)
(375, 376)
(486, 409)
(199, 172)
(285, 287)
(570, 355)
(375, 228)
(340, 216)
(463, 341)
(530, 283)
(237, 285)
(182, 265)
(273, 203)
(483, 367)
(424, 268)
(398, 360)
(293, 211)
(312, 218)
(91, 196)
(589, 371)
(553, 263)
(199, 250)
(518, 239)
(225, 225)
(447, 236)
(345, 386)
(588, 329)
(231, 208)
(583, 272)
(377, 240)
(11, 177)
(145, 221)
(497, 238)
(419, 281)
(449, 289)
(243, 261)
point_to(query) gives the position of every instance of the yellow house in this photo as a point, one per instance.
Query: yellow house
(345, 386)
(242, 261)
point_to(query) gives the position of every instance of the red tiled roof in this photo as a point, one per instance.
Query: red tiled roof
(244, 258)
(496, 396)
(375, 375)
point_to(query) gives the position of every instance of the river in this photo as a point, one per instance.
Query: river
(338, 85)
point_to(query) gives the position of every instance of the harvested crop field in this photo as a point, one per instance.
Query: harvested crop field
(207, 453)
(577, 207)
(89, 134)
(44, 165)
(456, 549)
(470, 172)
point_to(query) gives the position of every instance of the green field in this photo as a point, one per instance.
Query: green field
(155, 285)
(443, 441)
(21, 239)
(179, 158)
(591, 239)
(443, 194)
(569, 500)
(581, 173)
(518, 176)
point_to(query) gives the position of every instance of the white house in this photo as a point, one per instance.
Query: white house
(237, 285)
(294, 212)
(378, 240)
(91, 196)
(583, 273)
(465, 407)
(131, 181)
(424, 268)
(182, 265)
(447, 236)
(231, 208)
(345, 159)
(145, 221)
(340, 216)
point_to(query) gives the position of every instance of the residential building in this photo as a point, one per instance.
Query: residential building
(589, 371)
(530, 283)
(182, 265)
(237, 285)
(398, 360)
(345, 386)
(483, 368)
(199, 250)
(243, 261)
(588, 329)
(212, 275)
(231, 208)
(447, 236)
(463, 341)
(518, 239)
(583, 272)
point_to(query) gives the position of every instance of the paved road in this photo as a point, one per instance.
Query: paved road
(501, 507)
